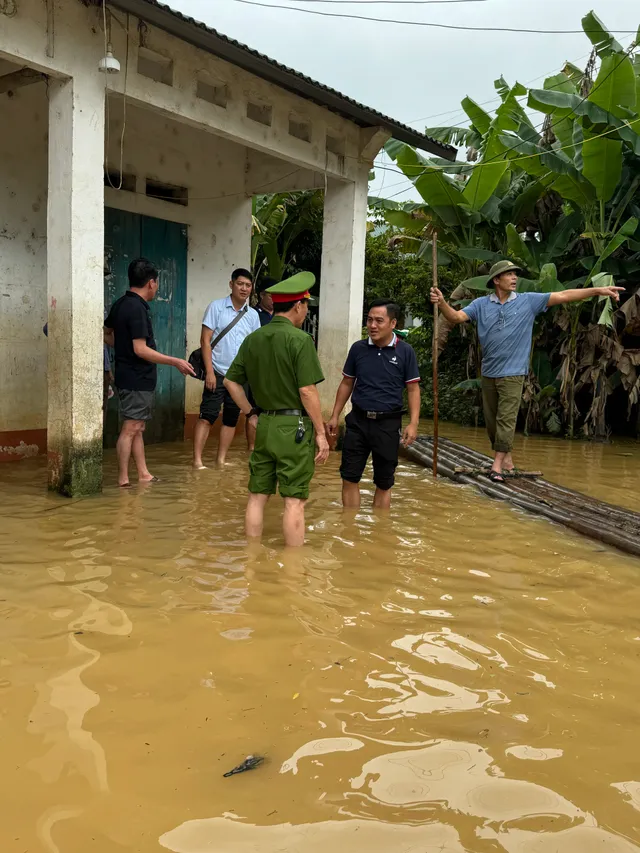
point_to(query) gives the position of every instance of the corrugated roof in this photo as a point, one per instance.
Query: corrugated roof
(206, 38)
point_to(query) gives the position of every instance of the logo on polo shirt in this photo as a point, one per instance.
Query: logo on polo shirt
(394, 360)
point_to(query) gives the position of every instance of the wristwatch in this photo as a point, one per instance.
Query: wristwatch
(255, 411)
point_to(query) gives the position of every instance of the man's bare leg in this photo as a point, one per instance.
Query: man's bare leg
(350, 495)
(128, 432)
(137, 450)
(200, 435)
(382, 499)
(293, 522)
(254, 516)
(226, 437)
(498, 461)
(507, 463)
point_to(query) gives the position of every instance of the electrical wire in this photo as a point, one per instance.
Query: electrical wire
(392, 2)
(495, 100)
(124, 101)
(417, 23)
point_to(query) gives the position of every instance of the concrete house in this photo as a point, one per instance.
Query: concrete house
(160, 158)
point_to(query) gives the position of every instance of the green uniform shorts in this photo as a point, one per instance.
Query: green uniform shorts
(277, 459)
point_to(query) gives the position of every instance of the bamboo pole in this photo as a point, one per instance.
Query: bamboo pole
(434, 354)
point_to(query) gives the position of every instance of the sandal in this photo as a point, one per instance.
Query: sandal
(496, 477)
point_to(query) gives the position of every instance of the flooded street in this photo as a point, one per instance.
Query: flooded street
(452, 677)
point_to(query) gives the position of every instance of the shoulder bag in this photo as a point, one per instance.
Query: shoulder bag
(195, 359)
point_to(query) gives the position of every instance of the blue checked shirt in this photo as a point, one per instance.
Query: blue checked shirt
(217, 316)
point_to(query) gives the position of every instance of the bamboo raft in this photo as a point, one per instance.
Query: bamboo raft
(604, 522)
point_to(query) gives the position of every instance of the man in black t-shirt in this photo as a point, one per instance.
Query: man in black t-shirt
(376, 373)
(128, 330)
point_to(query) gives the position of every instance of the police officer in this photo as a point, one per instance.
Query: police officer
(280, 363)
(376, 373)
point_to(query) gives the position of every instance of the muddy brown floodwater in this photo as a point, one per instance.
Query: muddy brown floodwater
(453, 677)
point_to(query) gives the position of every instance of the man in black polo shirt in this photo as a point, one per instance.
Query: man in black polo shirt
(376, 372)
(128, 330)
(265, 302)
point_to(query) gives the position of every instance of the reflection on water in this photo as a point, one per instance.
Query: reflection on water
(452, 677)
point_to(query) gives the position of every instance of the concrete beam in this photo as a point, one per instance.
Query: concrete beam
(371, 141)
(266, 174)
(17, 79)
(342, 279)
(75, 260)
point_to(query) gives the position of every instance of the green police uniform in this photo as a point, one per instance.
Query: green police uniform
(277, 360)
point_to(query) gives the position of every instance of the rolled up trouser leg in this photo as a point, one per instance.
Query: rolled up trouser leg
(509, 390)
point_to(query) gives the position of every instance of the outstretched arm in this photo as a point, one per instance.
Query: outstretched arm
(562, 297)
(449, 313)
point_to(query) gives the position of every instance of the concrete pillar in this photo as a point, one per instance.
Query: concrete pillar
(342, 286)
(75, 279)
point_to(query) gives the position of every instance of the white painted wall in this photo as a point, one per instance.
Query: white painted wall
(23, 258)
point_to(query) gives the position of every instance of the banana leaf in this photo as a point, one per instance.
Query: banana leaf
(477, 254)
(624, 232)
(480, 119)
(599, 36)
(519, 249)
(468, 385)
(484, 181)
(615, 85)
(602, 164)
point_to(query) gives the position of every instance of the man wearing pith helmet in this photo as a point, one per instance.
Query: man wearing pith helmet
(505, 320)
(280, 363)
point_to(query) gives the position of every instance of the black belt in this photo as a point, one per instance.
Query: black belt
(378, 416)
(297, 413)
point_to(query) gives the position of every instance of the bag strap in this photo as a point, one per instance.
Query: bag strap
(228, 328)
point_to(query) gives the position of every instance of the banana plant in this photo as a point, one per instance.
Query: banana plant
(276, 222)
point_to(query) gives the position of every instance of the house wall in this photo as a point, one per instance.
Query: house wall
(218, 217)
(23, 279)
(77, 43)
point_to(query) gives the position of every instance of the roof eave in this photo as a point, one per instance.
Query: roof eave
(209, 40)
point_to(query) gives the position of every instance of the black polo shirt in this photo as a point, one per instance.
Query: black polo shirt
(265, 317)
(381, 374)
(130, 319)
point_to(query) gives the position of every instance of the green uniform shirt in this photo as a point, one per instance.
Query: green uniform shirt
(276, 361)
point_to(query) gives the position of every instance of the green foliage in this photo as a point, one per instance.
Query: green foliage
(559, 195)
(283, 223)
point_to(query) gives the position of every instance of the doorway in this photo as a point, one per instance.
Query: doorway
(128, 236)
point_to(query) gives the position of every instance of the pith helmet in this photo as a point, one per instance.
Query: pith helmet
(501, 267)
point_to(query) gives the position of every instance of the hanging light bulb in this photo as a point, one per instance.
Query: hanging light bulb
(109, 64)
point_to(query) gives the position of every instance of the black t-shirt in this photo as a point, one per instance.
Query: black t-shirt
(381, 374)
(130, 319)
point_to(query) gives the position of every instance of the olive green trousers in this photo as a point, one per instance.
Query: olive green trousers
(501, 404)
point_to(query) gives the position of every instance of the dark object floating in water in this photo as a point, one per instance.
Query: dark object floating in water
(613, 525)
(249, 763)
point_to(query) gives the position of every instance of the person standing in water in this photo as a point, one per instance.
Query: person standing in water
(128, 330)
(233, 316)
(505, 321)
(281, 365)
(375, 375)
